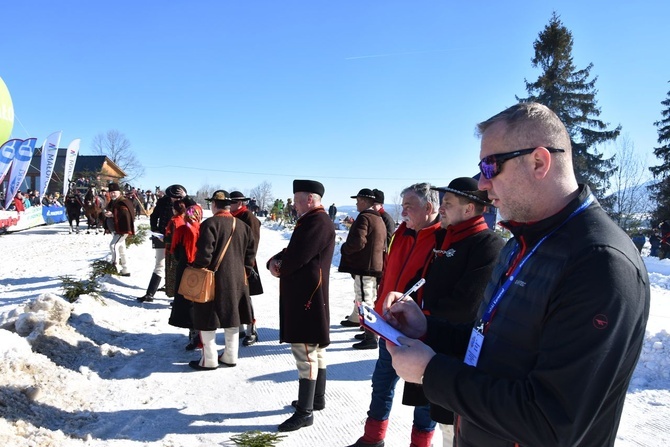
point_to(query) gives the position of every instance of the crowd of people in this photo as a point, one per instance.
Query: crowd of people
(530, 341)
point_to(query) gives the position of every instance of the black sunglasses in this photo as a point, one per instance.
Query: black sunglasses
(491, 165)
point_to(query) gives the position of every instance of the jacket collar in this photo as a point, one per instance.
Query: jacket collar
(532, 232)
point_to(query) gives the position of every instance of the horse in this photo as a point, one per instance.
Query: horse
(94, 206)
(73, 206)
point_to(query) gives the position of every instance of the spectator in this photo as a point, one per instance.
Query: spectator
(121, 213)
(239, 210)
(303, 269)
(386, 217)
(159, 220)
(559, 333)
(363, 257)
(412, 249)
(231, 305)
(332, 212)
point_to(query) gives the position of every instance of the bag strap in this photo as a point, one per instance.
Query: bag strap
(223, 252)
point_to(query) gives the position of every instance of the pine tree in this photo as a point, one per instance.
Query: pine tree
(660, 191)
(570, 94)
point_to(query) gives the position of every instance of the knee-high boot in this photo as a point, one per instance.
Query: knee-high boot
(319, 392)
(209, 358)
(303, 416)
(151, 290)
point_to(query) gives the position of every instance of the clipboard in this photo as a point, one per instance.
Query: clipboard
(374, 322)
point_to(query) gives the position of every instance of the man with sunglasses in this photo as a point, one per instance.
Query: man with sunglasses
(549, 357)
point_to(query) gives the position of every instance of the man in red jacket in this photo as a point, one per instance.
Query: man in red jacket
(408, 257)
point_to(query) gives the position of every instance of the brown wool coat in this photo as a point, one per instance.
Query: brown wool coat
(304, 310)
(231, 305)
(363, 251)
(124, 216)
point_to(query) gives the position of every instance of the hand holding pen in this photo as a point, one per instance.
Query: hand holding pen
(405, 295)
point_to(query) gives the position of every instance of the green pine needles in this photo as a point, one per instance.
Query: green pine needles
(255, 438)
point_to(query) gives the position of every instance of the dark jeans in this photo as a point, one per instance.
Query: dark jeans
(384, 380)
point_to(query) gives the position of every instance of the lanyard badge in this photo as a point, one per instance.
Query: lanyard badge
(477, 335)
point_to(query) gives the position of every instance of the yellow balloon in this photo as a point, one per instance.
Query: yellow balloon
(6, 113)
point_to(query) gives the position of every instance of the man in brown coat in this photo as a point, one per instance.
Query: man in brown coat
(363, 257)
(231, 305)
(239, 209)
(303, 269)
(122, 212)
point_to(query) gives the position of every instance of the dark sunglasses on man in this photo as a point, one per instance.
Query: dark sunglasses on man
(491, 165)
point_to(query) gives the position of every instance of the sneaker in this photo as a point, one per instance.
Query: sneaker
(124, 274)
(349, 323)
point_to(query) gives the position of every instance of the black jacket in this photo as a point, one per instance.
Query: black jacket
(159, 218)
(455, 281)
(562, 345)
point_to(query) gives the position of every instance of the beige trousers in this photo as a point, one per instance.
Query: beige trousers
(309, 359)
(365, 291)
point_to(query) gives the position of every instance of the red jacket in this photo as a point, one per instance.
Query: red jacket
(409, 253)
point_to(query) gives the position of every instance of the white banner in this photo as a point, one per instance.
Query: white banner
(48, 161)
(7, 152)
(70, 160)
(20, 165)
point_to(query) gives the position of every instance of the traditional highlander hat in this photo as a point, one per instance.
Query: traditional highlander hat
(466, 187)
(114, 187)
(219, 195)
(237, 196)
(365, 192)
(175, 192)
(311, 186)
(379, 196)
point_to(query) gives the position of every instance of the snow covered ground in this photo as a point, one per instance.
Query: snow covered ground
(111, 372)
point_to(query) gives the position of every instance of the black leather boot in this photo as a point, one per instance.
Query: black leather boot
(151, 290)
(369, 342)
(303, 416)
(251, 335)
(319, 392)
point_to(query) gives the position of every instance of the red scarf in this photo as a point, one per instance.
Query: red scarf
(240, 210)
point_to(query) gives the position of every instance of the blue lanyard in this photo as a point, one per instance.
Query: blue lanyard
(493, 304)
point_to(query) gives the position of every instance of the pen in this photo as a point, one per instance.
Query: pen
(411, 290)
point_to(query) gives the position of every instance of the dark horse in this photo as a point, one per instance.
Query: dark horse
(73, 205)
(93, 208)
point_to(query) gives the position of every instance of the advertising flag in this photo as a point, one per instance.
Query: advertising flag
(49, 154)
(70, 160)
(7, 152)
(22, 157)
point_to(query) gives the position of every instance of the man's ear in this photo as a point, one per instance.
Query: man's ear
(541, 162)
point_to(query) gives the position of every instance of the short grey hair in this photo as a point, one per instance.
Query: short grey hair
(424, 193)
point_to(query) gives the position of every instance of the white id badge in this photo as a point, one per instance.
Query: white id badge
(474, 347)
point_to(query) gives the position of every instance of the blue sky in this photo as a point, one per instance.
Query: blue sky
(352, 93)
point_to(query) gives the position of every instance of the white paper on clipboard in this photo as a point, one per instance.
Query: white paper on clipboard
(372, 321)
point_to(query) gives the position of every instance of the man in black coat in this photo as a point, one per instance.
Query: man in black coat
(159, 218)
(557, 338)
(386, 217)
(239, 209)
(303, 269)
